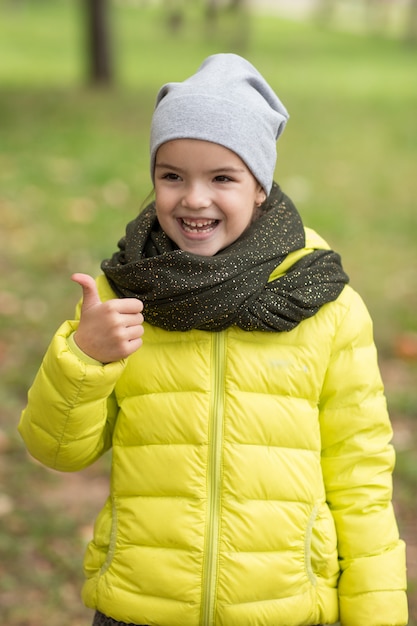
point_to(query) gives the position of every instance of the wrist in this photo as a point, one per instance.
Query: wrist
(78, 352)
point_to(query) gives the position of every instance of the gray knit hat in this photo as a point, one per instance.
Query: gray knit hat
(228, 102)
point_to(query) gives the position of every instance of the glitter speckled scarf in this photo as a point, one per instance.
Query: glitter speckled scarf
(181, 290)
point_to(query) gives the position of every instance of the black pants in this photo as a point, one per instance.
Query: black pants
(102, 620)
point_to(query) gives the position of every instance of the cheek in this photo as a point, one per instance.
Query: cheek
(242, 221)
(163, 193)
(249, 215)
(162, 214)
(163, 203)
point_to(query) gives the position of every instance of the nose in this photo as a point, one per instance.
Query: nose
(196, 197)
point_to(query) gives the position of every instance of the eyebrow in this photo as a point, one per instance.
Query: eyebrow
(217, 170)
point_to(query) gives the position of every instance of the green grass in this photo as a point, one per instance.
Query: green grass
(74, 170)
(347, 157)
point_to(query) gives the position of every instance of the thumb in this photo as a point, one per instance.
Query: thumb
(90, 293)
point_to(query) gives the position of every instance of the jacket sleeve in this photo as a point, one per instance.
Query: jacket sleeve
(71, 411)
(358, 460)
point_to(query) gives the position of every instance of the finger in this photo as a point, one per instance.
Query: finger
(134, 332)
(130, 305)
(129, 320)
(90, 293)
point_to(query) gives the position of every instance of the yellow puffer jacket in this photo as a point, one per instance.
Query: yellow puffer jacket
(251, 473)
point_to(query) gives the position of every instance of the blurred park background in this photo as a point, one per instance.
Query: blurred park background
(78, 80)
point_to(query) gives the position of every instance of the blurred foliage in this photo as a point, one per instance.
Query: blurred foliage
(74, 170)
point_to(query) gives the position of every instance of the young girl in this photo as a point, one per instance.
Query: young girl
(229, 366)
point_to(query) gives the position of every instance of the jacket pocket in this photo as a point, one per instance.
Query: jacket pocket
(100, 550)
(321, 546)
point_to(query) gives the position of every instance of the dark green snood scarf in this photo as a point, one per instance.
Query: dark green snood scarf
(181, 290)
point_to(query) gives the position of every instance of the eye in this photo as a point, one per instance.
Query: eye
(222, 178)
(170, 176)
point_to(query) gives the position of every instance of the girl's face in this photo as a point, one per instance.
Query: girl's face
(205, 195)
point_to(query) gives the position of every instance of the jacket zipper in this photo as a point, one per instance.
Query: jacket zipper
(214, 477)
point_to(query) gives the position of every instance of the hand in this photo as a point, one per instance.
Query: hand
(108, 331)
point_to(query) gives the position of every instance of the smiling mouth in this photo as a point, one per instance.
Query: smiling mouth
(198, 226)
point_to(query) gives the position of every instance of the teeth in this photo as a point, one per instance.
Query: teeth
(198, 223)
(195, 225)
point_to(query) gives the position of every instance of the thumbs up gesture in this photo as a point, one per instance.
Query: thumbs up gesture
(108, 331)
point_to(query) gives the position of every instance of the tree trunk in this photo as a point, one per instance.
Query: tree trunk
(212, 14)
(411, 34)
(377, 16)
(323, 11)
(98, 42)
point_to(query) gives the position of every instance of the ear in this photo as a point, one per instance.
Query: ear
(260, 196)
